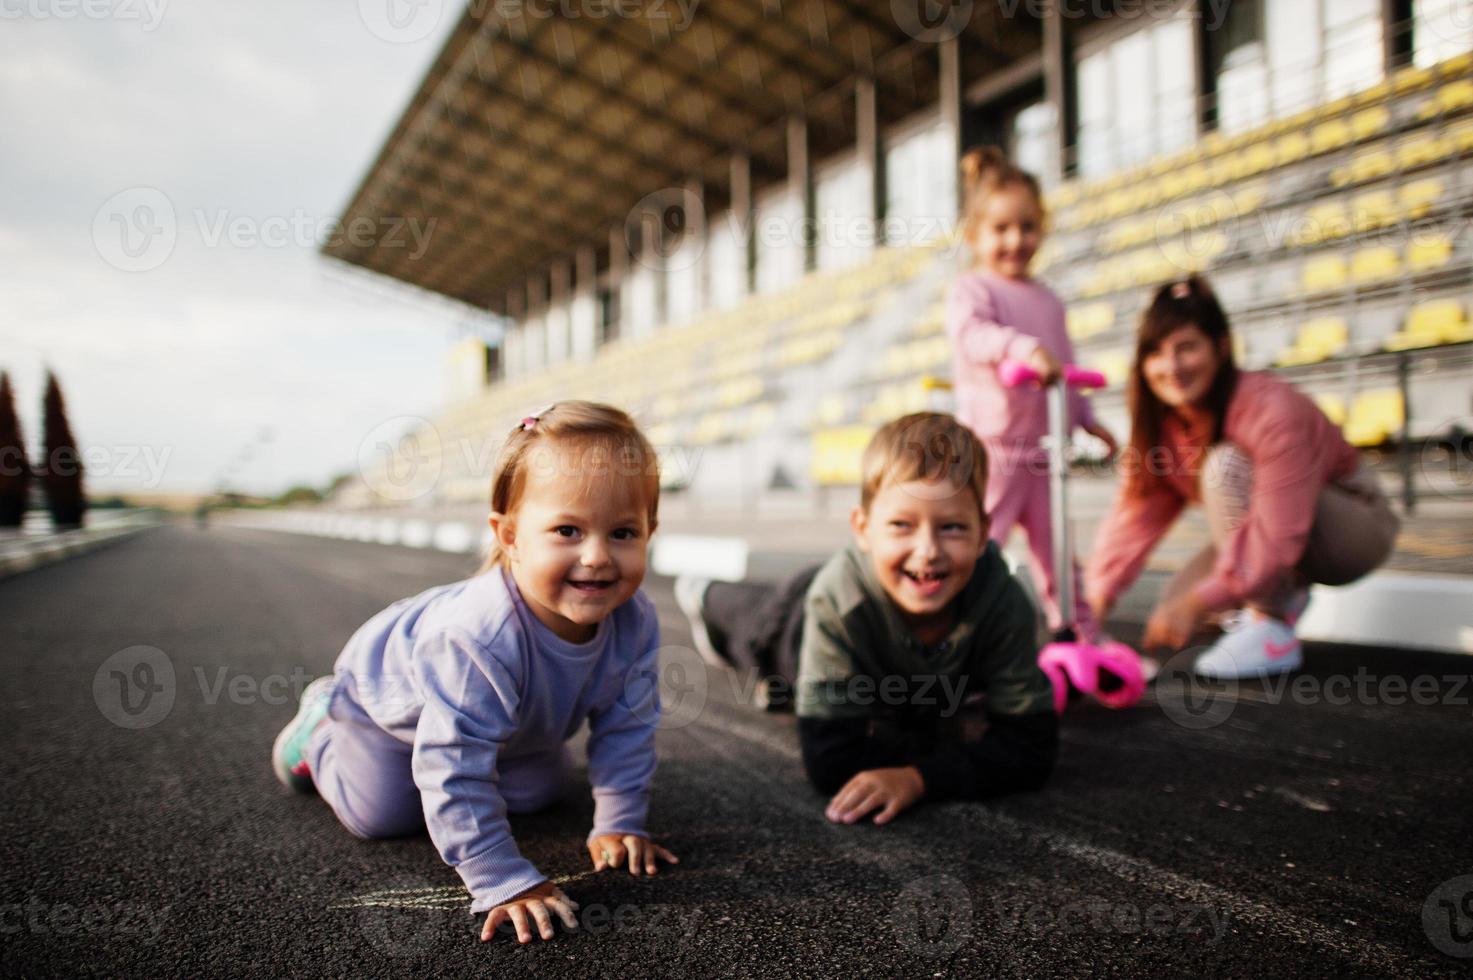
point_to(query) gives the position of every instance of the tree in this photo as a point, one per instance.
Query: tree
(15, 468)
(298, 495)
(61, 471)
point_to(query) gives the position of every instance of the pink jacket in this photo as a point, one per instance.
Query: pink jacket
(989, 319)
(1295, 452)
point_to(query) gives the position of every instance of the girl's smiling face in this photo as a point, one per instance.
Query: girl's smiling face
(576, 541)
(1008, 231)
(923, 539)
(1180, 371)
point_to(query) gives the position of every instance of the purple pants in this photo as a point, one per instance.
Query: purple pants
(365, 774)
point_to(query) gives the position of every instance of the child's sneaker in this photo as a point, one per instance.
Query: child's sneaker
(1255, 645)
(288, 754)
(690, 593)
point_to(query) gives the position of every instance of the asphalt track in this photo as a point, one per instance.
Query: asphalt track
(1317, 830)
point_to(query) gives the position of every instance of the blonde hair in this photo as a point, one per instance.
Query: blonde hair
(985, 170)
(607, 441)
(924, 446)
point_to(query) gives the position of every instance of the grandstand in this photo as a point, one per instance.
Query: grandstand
(740, 228)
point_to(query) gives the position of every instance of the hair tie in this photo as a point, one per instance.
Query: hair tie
(531, 420)
(1182, 290)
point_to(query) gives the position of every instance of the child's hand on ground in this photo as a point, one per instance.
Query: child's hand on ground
(639, 853)
(1044, 363)
(1104, 435)
(893, 790)
(536, 904)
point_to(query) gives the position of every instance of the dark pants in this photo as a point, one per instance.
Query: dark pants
(760, 626)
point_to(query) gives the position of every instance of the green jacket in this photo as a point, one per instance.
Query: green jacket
(870, 695)
(852, 630)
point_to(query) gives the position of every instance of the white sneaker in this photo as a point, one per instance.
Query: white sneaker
(1254, 646)
(690, 593)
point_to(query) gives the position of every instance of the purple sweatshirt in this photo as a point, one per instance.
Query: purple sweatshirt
(991, 318)
(477, 684)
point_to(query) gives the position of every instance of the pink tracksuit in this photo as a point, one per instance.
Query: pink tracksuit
(991, 318)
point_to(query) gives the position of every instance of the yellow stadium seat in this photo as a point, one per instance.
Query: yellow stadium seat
(1374, 209)
(1417, 197)
(1374, 263)
(739, 392)
(1259, 157)
(1318, 340)
(712, 427)
(894, 360)
(1366, 165)
(1451, 97)
(829, 411)
(883, 404)
(1419, 150)
(1425, 254)
(1428, 324)
(933, 322)
(808, 349)
(1374, 417)
(1329, 135)
(1376, 93)
(1411, 78)
(1292, 146)
(936, 353)
(1333, 406)
(1248, 199)
(1114, 365)
(1323, 223)
(1369, 122)
(1090, 319)
(1324, 273)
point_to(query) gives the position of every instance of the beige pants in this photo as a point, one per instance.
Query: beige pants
(1353, 532)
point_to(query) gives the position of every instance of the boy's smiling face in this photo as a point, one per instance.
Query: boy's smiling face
(923, 539)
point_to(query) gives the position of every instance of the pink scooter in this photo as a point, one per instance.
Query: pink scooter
(1110, 673)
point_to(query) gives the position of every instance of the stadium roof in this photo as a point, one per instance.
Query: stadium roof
(533, 135)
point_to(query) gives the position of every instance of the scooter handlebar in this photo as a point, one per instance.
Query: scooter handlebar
(1014, 373)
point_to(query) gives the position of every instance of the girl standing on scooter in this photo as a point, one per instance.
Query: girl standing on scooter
(996, 311)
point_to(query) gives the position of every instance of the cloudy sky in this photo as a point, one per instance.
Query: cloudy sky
(169, 166)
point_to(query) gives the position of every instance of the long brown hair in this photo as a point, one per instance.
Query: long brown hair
(606, 443)
(1187, 302)
(985, 170)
